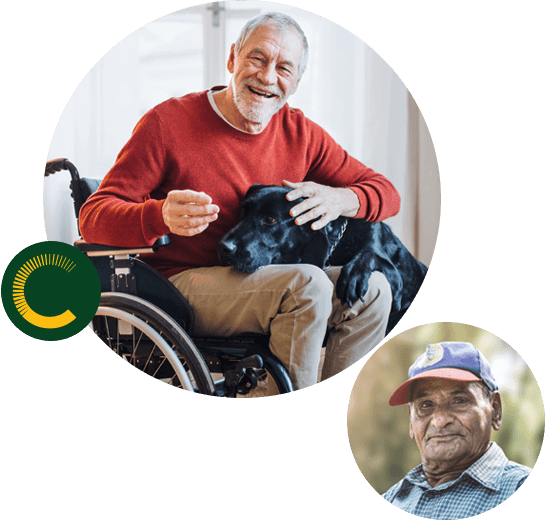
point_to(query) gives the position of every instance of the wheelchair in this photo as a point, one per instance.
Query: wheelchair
(144, 319)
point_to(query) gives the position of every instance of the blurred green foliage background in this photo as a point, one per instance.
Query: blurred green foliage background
(379, 433)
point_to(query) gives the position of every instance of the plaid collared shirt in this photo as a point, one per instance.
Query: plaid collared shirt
(484, 485)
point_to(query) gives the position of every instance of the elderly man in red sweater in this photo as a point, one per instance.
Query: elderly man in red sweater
(185, 170)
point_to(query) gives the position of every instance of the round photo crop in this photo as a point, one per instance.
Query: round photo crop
(446, 421)
(203, 108)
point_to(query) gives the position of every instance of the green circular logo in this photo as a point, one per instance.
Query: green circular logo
(50, 291)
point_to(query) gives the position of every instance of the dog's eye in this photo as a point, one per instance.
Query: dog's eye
(268, 220)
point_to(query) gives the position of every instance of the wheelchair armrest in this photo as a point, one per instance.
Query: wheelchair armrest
(101, 250)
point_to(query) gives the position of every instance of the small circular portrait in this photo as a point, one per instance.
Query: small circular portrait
(446, 421)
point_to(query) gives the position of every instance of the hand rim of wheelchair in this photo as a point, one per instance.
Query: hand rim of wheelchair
(145, 315)
(182, 343)
(160, 342)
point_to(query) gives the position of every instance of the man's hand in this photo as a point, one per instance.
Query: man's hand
(188, 213)
(321, 201)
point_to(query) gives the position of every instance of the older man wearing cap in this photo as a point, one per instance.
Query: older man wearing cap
(454, 403)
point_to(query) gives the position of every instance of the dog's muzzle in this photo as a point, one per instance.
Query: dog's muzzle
(227, 253)
(226, 248)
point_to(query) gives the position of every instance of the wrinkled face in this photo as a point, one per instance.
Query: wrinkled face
(451, 421)
(266, 233)
(265, 72)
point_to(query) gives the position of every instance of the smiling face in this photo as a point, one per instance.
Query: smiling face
(451, 422)
(265, 74)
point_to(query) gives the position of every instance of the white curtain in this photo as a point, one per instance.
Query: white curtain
(347, 89)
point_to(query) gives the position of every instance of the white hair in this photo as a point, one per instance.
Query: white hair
(280, 21)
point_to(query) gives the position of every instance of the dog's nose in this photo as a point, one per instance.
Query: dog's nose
(226, 247)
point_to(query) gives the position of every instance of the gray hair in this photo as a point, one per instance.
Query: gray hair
(282, 22)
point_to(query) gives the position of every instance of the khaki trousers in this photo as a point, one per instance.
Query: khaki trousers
(295, 304)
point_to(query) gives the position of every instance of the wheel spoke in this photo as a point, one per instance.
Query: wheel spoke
(151, 340)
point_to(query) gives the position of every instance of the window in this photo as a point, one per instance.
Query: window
(171, 58)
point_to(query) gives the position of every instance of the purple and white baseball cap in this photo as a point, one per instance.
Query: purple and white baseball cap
(458, 361)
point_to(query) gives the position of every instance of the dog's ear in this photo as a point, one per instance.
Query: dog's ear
(322, 242)
(316, 251)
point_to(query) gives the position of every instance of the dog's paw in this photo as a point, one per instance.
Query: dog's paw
(352, 286)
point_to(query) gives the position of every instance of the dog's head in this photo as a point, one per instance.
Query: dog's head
(267, 234)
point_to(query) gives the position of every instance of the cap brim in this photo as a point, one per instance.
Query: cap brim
(403, 395)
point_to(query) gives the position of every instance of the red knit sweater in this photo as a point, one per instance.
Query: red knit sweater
(183, 144)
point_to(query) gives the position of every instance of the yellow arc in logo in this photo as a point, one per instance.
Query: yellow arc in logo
(44, 322)
(48, 322)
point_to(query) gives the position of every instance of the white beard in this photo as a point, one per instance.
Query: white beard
(255, 111)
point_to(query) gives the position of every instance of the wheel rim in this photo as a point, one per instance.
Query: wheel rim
(116, 343)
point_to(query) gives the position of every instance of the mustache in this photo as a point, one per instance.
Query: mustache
(442, 433)
(258, 85)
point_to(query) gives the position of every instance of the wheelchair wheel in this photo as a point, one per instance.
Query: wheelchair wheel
(152, 341)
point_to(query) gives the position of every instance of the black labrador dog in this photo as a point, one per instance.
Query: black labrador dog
(267, 234)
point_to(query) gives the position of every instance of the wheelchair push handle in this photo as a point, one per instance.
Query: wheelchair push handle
(57, 165)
